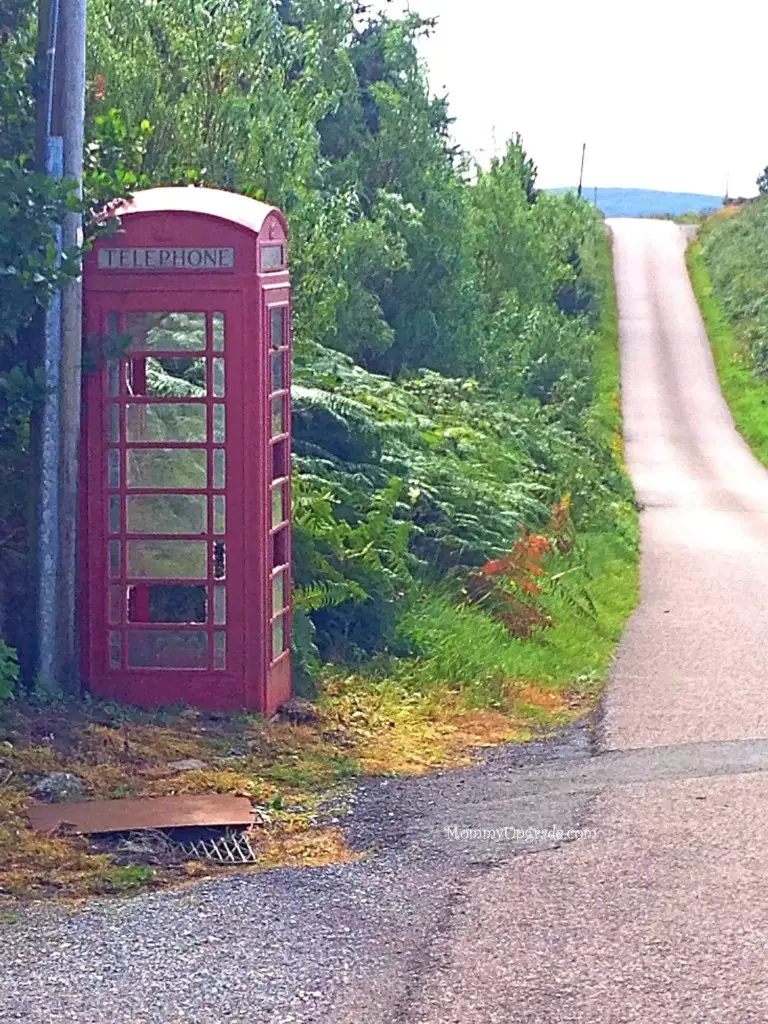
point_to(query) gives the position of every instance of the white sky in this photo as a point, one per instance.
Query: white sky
(667, 94)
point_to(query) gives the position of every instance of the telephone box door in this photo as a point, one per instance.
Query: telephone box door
(165, 501)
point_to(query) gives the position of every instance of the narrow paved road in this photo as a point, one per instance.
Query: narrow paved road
(664, 917)
(660, 915)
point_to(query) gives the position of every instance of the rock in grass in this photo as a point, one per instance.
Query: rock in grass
(60, 788)
(188, 764)
(297, 711)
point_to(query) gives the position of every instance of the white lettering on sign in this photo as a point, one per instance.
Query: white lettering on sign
(201, 258)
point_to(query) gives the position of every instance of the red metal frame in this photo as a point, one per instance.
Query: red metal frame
(252, 293)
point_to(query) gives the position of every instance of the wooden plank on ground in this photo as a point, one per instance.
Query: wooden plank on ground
(135, 814)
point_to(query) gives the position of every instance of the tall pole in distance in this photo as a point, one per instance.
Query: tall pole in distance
(72, 96)
(581, 172)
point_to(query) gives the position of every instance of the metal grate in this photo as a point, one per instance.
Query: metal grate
(230, 848)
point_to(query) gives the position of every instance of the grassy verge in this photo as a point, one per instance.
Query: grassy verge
(745, 392)
(471, 683)
(285, 770)
(564, 666)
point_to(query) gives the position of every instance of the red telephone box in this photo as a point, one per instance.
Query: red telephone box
(186, 543)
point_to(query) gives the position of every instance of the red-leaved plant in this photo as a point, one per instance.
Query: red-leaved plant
(508, 587)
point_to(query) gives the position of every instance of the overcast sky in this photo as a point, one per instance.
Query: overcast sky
(667, 94)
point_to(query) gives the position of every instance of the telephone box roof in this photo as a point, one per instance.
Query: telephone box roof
(210, 202)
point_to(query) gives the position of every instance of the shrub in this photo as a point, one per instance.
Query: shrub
(9, 671)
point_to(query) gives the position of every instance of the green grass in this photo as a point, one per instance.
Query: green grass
(604, 420)
(691, 218)
(745, 392)
(472, 653)
(128, 878)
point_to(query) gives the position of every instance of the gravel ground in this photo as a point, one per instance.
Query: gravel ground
(657, 914)
(347, 943)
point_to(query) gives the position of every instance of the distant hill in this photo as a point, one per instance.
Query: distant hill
(644, 202)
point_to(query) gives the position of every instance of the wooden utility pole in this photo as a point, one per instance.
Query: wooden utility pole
(581, 172)
(45, 426)
(72, 85)
(60, 138)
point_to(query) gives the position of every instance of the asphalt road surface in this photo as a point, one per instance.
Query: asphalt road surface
(657, 912)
